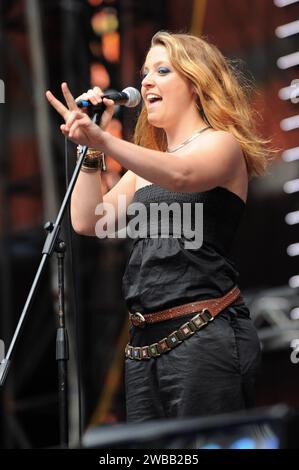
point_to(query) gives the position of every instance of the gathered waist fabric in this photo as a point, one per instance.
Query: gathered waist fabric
(162, 274)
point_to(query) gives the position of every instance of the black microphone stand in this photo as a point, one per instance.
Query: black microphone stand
(53, 243)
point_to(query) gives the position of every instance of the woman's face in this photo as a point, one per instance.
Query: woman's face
(166, 93)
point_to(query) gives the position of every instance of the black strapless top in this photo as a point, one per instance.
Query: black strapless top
(161, 272)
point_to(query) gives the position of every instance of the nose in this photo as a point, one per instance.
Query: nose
(147, 80)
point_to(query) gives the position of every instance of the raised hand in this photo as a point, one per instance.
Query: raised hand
(78, 126)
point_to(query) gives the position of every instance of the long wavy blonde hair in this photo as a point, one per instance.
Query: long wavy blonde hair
(223, 98)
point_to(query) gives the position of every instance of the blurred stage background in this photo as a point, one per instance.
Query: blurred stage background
(97, 42)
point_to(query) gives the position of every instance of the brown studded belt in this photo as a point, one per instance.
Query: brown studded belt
(204, 310)
(214, 306)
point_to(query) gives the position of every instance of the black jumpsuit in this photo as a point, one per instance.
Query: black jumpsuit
(214, 370)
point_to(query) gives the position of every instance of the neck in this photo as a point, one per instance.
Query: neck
(183, 130)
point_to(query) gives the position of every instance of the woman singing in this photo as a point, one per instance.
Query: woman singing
(193, 349)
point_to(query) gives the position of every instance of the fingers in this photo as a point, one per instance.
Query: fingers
(108, 103)
(60, 108)
(94, 95)
(78, 123)
(63, 130)
(70, 100)
(74, 116)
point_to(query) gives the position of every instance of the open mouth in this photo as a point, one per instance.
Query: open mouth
(151, 98)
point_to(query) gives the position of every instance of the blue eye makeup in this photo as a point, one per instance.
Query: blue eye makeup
(163, 70)
(160, 70)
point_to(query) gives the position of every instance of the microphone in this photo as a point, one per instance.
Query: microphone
(129, 97)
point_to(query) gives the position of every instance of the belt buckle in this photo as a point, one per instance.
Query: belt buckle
(139, 318)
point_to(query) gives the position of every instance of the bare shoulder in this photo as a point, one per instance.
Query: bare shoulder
(223, 150)
(223, 142)
(226, 152)
(216, 160)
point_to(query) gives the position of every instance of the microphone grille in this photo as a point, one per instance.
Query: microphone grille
(134, 96)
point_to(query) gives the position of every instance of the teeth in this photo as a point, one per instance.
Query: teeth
(153, 97)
